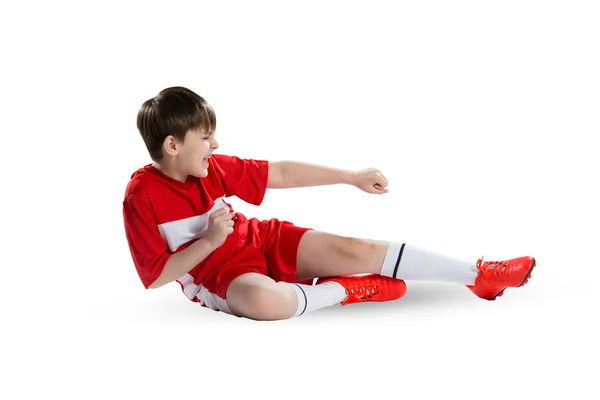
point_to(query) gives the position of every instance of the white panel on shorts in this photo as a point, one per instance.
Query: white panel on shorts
(206, 298)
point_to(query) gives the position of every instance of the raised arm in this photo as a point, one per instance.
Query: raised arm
(294, 174)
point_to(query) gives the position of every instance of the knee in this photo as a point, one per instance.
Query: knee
(262, 301)
(271, 302)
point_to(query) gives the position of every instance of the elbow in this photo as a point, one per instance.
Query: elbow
(156, 284)
(160, 280)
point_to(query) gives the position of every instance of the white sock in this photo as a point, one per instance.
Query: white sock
(407, 262)
(311, 298)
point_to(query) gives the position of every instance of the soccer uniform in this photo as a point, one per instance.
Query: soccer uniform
(163, 216)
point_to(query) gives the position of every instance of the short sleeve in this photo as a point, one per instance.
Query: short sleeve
(148, 249)
(244, 178)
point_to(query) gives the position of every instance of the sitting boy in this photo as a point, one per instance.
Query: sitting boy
(179, 227)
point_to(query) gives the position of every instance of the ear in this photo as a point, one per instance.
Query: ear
(171, 145)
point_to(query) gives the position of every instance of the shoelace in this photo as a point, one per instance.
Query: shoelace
(364, 291)
(500, 268)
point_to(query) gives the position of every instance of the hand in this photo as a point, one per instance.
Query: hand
(370, 180)
(220, 225)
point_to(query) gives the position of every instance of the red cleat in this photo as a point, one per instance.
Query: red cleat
(495, 276)
(370, 287)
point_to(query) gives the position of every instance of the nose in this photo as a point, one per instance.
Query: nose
(214, 144)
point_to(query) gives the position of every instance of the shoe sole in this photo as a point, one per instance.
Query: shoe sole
(525, 280)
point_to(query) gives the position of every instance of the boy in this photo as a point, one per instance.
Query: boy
(179, 228)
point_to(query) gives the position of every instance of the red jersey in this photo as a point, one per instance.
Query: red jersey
(163, 215)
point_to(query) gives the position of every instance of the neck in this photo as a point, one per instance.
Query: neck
(169, 170)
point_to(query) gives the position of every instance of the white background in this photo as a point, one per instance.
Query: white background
(482, 115)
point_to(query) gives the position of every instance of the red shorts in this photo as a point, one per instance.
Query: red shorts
(267, 247)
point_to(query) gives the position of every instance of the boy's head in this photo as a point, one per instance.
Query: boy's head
(179, 125)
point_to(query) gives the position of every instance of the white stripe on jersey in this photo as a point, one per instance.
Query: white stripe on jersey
(177, 233)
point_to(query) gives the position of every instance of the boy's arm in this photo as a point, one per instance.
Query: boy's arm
(184, 261)
(155, 264)
(293, 174)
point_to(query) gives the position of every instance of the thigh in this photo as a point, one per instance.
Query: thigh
(224, 279)
(322, 254)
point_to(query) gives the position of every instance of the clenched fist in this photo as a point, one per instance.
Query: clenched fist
(220, 225)
(370, 180)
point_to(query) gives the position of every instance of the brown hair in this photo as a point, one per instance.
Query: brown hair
(174, 111)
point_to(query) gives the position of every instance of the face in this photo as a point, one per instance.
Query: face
(194, 152)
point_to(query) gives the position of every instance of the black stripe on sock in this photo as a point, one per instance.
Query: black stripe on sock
(305, 299)
(398, 261)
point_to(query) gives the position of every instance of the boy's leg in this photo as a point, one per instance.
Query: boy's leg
(258, 297)
(324, 254)
(265, 286)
